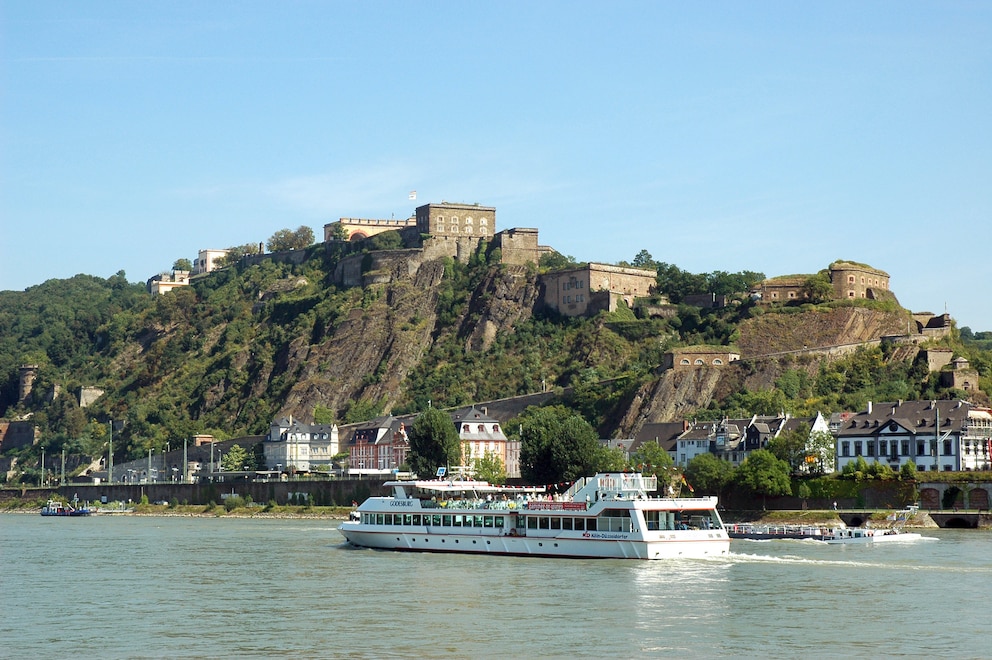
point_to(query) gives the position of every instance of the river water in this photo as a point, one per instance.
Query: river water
(150, 587)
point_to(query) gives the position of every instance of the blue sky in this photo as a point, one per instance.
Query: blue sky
(774, 137)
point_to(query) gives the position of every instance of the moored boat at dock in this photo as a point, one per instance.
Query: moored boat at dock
(58, 508)
(609, 515)
(862, 535)
(758, 532)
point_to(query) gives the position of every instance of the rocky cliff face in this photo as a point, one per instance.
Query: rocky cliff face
(770, 344)
(504, 298)
(772, 333)
(369, 355)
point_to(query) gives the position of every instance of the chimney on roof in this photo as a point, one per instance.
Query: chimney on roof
(869, 408)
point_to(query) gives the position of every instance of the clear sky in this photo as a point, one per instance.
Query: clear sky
(773, 137)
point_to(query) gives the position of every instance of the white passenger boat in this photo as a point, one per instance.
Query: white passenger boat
(860, 535)
(610, 515)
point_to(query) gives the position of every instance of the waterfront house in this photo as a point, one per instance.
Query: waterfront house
(934, 435)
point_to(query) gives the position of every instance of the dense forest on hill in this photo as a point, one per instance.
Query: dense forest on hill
(247, 343)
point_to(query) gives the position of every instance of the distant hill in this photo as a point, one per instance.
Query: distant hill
(246, 344)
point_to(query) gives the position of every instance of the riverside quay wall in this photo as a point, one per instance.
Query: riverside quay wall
(340, 492)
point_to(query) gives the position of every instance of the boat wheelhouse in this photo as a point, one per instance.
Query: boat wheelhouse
(610, 515)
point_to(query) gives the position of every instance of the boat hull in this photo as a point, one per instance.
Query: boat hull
(699, 545)
(875, 536)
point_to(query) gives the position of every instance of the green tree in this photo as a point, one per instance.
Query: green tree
(650, 458)
(182, 264)
(820, 451)
(790, 446)
(708, 474)
(556, 445)
(323, 415)
(817, 288)
(489, 467)
(644, 260)
(433, 442)
(907, 471)
(763, 474)
(285, 239)
(337, 232)
(557, 261)
(235, 253)
(237, 459)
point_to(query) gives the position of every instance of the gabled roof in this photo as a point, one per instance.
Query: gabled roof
(908, 417)
(472, 414)
(665, 433)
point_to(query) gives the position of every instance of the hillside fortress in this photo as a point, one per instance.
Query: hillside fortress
(849, 280)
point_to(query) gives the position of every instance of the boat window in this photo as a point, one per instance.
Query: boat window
(458, 521)
(591, 524)
(379, 518)
(389, 519)
(416, 519)
(543, 523)
(653, 519)
(498, 520)
(556, 523)
(446, 520)
(477, 521)
(566, 523)
(531, 522)
(436, 520)
(407, 518)
(488, 521)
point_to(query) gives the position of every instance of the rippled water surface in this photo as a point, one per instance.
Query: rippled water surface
(131, 586)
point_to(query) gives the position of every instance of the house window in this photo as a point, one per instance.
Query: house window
(482, 429)
(871, 448)
(483, 221)
(698, 361)
(850, 279)
(850, 294)
(905, 447)
(883, 448)
(857, 448)
(717, 361)
(947, 447)
(684, 361)
(921, 448)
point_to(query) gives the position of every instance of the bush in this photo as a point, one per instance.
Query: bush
(234, 502)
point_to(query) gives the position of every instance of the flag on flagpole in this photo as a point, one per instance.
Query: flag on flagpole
(413, 194)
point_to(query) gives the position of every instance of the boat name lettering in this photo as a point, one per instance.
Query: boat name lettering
(556, 506)
(401, 503)
(604, 535)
